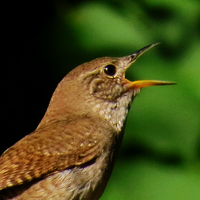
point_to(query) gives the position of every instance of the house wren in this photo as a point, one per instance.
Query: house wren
(71, 153)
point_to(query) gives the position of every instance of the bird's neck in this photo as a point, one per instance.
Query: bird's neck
(114, 112)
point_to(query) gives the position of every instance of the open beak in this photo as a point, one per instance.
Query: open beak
(143, 83)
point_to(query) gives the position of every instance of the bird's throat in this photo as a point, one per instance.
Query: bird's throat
(115, 112)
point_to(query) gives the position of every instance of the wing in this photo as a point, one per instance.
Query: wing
(50, 149)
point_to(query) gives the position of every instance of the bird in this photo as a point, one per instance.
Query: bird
(71, 153)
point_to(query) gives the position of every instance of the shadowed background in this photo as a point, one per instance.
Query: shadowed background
(43, 41)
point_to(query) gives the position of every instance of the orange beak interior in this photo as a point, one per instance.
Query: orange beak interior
(146, 83)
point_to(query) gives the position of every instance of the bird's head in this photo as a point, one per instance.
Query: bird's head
(99, 87)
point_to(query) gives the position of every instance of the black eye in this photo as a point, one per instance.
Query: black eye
(110, 70)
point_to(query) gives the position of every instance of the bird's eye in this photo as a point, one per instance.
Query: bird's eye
(110, 70)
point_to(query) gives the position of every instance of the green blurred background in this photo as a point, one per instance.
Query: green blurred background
(160, 155)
